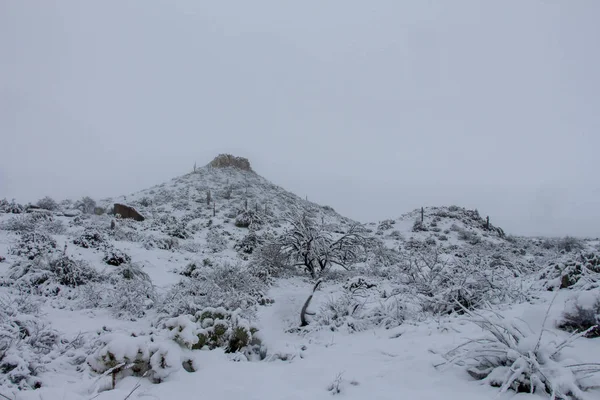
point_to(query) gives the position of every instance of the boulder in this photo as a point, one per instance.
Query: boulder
(228, 160)
(71, 213)
(127, 212)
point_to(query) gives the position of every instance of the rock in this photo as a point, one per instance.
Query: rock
(71, 213)
(227, 160)
(127, 212)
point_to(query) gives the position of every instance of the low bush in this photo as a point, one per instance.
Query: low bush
(25, 341)
(47, 203)
(216, 327)
(513, 357)
(582, 314)
(115, 257)
(32, 245)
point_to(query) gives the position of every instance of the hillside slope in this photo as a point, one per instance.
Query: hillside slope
(199, 298)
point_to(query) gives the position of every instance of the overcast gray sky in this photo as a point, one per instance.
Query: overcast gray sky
(374, 108)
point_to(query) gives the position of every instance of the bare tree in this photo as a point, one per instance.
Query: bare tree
(316, 246)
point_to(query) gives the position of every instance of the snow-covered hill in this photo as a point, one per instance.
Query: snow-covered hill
(205, 296)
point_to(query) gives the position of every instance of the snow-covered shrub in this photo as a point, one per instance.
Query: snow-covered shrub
(582, 313)
(32, 245)
(418, 226)
(116, 257)
(11, 207)
(226, 286)
(132, 271)
(583, 271)
(171, 226)
(122, 351)
(514, 357)
(183, 329)
(121, 356)
(215, 241)
(249, 218)
(570, 244)
(359, 283)
(162, 243)
(47, 203)
(355, 311)
(53, 227)
(24, 341)
(71, 272)
(442, 282)
(191, 270)
(468, 236)
(27, 223)
(248, 243)
(269, 261)
(48, 276)
(191, 246)
(91, 239)
(218, 327)
(131, 294)
(86, 205)
(386, 225)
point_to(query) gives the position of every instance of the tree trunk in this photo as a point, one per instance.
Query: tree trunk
(303, 313)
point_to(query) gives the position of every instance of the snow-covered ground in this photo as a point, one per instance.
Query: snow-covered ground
(391, 327)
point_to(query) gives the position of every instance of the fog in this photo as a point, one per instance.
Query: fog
(373, 108)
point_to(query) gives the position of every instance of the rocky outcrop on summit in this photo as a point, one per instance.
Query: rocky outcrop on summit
(228, 160)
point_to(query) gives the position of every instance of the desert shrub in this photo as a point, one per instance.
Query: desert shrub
(157, 357)
(355, 312)
(32, 245)
(131, 293)
(215, 240)
(27, 223)
(171, 226)
(359, 283)
(226, 286)
(47, 203)
(120, 356)
(216, 327)
(11, 207)
(448, 284)
(91, 239)
(163, 243)
(86, 205)
(115, 257)
(582, 271)
(145, 201)
(71, 272)
(569, 244)
(386, 225)
(468, 236)
(269, 261)
(514, 357)
(249, 218)
(582, 314)
(130, 298)
(248, 243)
(191, 246)
(25, 341)
(418, 226)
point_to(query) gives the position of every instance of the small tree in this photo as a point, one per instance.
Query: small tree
(47, 203)
(86, 205)
(316, 247)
